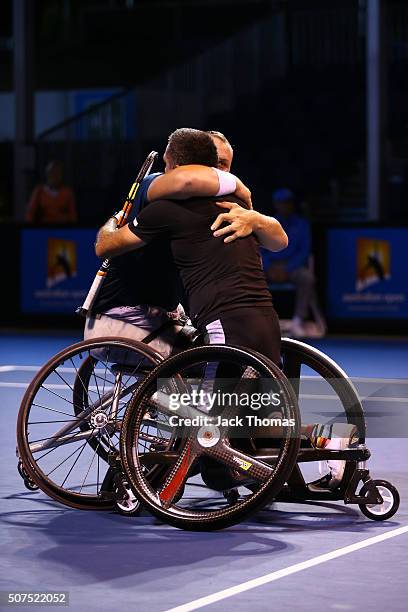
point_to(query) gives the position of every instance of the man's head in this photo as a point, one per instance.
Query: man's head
(283, 201)
(189, 146)
(224, 150)
(54, 173)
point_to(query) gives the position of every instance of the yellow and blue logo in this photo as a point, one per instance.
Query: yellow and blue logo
(61, 261)
(373, 262)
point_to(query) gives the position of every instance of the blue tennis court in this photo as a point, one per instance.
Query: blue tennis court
(326, 555)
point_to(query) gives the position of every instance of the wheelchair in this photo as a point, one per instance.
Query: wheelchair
(70, 419)
(96, 431)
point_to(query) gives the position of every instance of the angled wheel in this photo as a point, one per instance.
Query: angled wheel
(325, 394)
(317, 376)
(71, 414)
(214, 448)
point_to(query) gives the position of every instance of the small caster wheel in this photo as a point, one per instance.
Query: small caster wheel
(389, 506)
(126, 502)
(28, 483)
(231, 495)
(21, 470)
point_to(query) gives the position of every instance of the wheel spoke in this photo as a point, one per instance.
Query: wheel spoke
(90, 465)
(60, 396)
(52, 410)
(73, 465)
(46, 422)
(63, 380)
(96, 384)
(78, 375)
(63, 461)
(106, 371)
(132, 374)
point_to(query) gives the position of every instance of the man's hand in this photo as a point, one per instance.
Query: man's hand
(241, 222)
(244, 222)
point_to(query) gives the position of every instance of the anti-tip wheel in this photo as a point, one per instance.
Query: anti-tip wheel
(125, 501)
(28, 483)
(389, 506)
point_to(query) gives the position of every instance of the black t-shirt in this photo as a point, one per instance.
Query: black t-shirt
(147, 276)
(217, 277)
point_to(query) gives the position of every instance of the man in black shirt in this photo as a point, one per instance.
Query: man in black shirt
(132, 301)
(225, 285)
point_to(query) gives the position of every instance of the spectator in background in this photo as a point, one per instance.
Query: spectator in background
(293, 264)
(52, 202)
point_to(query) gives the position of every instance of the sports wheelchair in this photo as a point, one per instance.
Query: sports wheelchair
(96, 431)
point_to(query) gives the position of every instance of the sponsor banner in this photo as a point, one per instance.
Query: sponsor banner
(57, 269)
(367, 273)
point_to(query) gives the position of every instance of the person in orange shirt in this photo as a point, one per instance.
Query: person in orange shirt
(52, 202)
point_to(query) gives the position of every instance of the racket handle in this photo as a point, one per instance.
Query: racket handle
(94, 290)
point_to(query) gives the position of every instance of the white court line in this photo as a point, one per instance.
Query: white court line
(31, 368)
(287, 571)
(403, 400)
(395, 381)
(21, 385)
(35, 368)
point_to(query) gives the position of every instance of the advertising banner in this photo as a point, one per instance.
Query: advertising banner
(57, 269)
(367, 273)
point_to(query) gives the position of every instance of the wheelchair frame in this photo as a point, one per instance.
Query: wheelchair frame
(296, 489)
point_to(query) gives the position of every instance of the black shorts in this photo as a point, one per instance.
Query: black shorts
(255, 328)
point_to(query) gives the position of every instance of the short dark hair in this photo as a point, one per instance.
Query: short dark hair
(189, 146)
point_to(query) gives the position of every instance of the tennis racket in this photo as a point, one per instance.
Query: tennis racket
(122, 218)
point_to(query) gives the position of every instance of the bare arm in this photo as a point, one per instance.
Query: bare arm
(192, 181)
(242, 222)
(111, 241)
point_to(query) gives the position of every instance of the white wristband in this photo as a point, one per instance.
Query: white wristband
(228, 182)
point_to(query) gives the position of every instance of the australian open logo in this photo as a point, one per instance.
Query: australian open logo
(61, 261)
(373, 262)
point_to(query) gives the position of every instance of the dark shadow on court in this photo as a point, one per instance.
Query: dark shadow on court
(105, 546)
(102, 546)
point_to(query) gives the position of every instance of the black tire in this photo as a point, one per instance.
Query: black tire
(381, 512)
(37, 464)
(229, 514)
